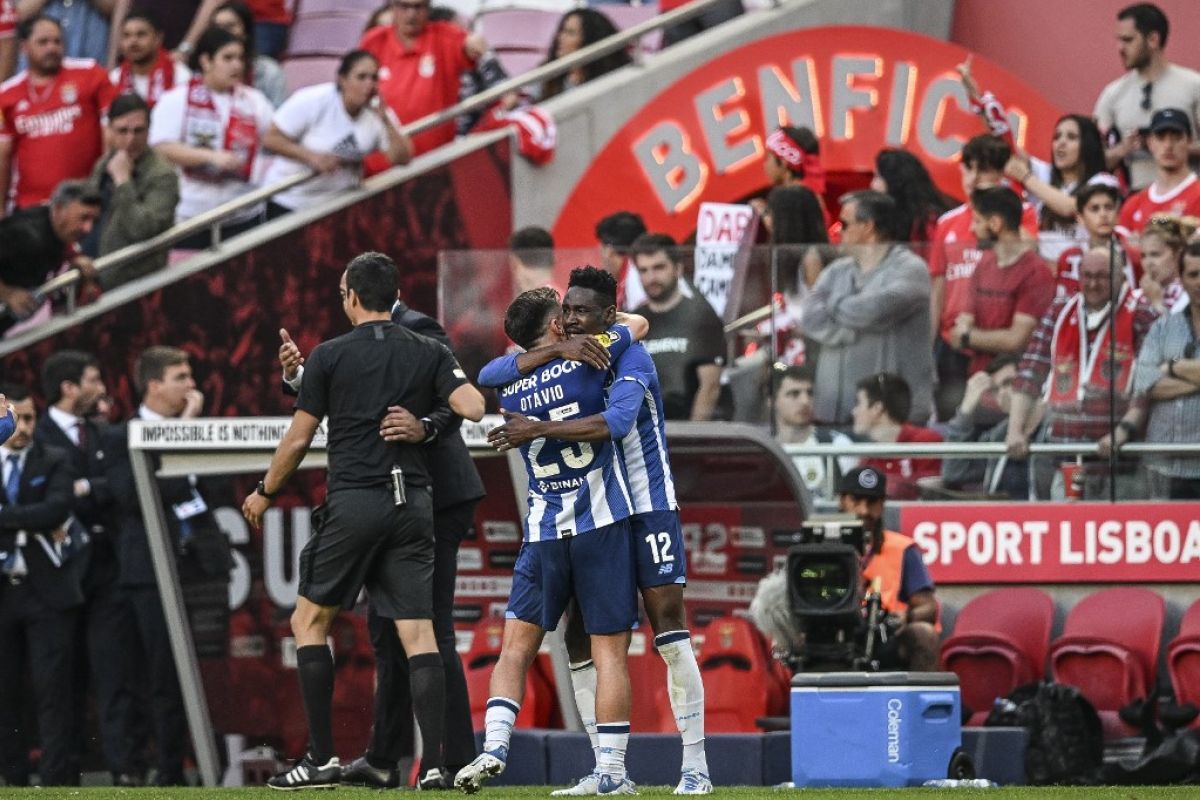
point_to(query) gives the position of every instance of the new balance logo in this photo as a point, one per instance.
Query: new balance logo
(664, 569)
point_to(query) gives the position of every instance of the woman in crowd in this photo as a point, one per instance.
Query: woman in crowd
(576, 30)
(262, 72)
(901, 175)
(1076, 159)
(329, 128)
(211, 129)
(1162, 242)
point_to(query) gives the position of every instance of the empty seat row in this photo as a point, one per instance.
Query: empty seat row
(1108, 649)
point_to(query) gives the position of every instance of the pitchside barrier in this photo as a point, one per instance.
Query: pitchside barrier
(742, 500)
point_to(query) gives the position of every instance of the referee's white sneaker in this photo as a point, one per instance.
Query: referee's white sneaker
(470, 779)
(693, 781)
(307, 774)
(588, 786)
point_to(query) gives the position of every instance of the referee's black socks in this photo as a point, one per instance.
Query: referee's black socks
(427, 681)
(314, 662)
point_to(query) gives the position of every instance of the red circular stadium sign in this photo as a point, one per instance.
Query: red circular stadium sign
(859, 88)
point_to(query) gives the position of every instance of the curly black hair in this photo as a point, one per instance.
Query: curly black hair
(599, 281)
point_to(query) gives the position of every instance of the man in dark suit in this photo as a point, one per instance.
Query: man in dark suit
(164, 379)
(72, 386)
(40, 596)
(457, 489)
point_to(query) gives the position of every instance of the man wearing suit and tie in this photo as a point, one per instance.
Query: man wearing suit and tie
(163, 376)
(457, 489)
(72, 387)
(40, 596)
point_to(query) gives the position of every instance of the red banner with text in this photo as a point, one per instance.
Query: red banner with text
(992, 543)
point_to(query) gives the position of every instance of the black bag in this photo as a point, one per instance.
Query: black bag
(1176, 759)
(1066, 741)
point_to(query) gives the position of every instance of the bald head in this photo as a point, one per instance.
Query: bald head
(1101, 274)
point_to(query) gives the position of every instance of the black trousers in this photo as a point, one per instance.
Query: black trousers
(106, 639)
(161, 683)
(37, 641)
(951, 366)
(392, 734)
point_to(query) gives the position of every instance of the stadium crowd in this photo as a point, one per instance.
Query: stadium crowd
(1060, 302)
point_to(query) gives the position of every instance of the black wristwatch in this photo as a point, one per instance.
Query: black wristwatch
(964, 341)
(431, 430)
(1129, 428)
(261, 489)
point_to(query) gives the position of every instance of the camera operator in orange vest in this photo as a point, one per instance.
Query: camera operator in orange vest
(911, 631)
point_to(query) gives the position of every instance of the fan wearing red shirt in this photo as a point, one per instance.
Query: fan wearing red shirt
(1096, 209)
(1176, 189)
(421, 64)
(50, 116)
(882, 405)
(953, 254)
(1011, 287)
(8, 39)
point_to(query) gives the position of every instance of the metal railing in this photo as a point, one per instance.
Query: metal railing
(983, 449)
(68, 281)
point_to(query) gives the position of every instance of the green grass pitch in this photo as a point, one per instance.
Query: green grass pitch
(530, 792)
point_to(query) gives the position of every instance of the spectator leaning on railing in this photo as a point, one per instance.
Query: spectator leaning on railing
(1068, 362)
(36, 242)
(138, 189)
(330, 128)
(211, 131)
(882, 406)
(49, 116)
(1168, 373)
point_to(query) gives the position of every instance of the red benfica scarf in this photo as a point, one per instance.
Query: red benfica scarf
(162, 78)
(202, 128)
(1076, 365)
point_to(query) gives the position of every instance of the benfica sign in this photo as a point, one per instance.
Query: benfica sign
(860, 89)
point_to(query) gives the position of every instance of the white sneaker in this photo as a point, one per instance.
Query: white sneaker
(693, 781)
(588, 785)
(608, 785)
(470, 779)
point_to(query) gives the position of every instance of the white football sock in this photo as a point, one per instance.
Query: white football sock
(583, 683)
(686, 690)
(498, 723)
(614, 738)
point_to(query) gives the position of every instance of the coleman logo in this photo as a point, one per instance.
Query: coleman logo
(894, 719)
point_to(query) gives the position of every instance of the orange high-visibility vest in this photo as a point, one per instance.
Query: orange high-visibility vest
(888, 564)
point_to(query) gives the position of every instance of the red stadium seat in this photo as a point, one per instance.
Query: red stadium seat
(301, 72)
(650, 707)
(330, 35)
(539, 705)
(518, 28)
(308, 8)
(740, 682)
(1109, 650)
(1183, 659)
(999, 642)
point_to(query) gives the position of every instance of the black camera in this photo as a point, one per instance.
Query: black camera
(826, 593)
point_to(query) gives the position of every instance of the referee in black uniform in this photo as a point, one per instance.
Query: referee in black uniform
(457, 490)
(377, 523)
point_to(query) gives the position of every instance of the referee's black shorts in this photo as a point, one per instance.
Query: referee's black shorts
(364, 539)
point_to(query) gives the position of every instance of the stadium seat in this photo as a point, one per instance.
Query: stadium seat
(1109, 651)
(308, 8)
(513, 31)
(539, 705)
(326, 34)
(518, 62)
(740, 683)
(301, 72)
(999, 642)
(1183, 659)
(650, 709)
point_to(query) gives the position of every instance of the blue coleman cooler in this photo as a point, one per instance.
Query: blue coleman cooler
(874, 728)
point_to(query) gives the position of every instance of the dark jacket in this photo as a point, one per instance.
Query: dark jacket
(455, 479)
(94, 511)
(47, 486)
(138, 210)
(206, 542)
